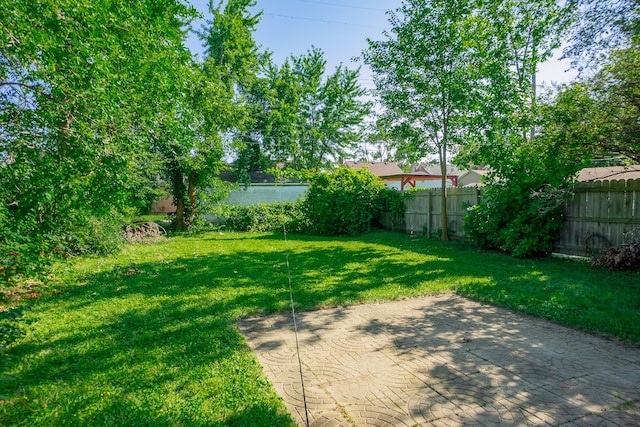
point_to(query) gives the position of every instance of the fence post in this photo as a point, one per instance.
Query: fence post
(429, 213)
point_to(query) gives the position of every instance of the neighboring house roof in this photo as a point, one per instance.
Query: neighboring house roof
(481, 172)
(380, 169)
(609, 173)
(435, 170)
(472, 178)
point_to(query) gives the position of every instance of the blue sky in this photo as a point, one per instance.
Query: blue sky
(339, 27)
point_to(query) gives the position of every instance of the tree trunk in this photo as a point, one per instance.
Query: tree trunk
(191, 194)
(180, 224)
(443, 200)
(179, 190)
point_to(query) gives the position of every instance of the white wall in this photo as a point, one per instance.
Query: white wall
(266, 193)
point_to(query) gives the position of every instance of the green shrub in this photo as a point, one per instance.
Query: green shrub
(24, 246)
(394, 207)
(521, 220)
(27, 246)
(344, 202)
(261, 217)
(88, 234)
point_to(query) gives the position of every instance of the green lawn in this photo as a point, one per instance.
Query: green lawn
(149, 337)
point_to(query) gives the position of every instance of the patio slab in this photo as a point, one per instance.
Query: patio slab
(444, 361)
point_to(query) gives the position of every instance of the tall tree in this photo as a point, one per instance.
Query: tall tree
(308, 120)
(600, 116)
(378, 143)
(617, 88)
(523, 208)
(76, 78)
(212, 106)
(189, 146)
(268, 135)
(427, 74)
(600, 113)
(522, 34)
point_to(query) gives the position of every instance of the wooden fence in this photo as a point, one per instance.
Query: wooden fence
(424, 210)
(599, 215)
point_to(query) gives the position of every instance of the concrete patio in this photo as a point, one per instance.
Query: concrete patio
(445, 361)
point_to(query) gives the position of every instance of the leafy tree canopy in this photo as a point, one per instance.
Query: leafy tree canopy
(303, 116)
(82, 88)
(427, 74)
(459, 73)
(599, 116)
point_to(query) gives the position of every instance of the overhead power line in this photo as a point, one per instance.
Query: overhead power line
(324, 21)
(341, 5)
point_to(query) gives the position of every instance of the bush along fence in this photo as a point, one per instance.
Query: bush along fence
(599, 215)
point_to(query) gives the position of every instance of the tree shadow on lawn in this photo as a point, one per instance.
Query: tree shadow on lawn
(172, 363)
(158, 340)
(395, 265)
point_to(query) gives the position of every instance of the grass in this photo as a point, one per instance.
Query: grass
(149, 337)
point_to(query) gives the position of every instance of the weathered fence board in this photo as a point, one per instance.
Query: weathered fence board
(599, 215)
(424, 210)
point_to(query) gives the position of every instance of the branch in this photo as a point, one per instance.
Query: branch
(28, 86)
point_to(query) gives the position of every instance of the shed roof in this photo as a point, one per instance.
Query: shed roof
(609, 173)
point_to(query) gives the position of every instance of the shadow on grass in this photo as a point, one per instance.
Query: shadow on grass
(154, 341)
